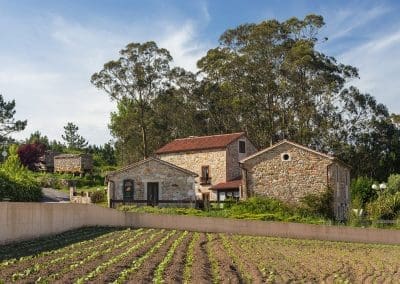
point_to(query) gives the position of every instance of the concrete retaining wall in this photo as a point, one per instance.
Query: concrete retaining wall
(20, 221)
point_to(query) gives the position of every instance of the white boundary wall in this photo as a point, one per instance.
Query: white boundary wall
(19, 221)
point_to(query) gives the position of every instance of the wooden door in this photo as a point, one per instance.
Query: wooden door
(152, 193)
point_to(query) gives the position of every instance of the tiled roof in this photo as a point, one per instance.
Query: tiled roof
(227, 185)
(109, 174)
(199, 143)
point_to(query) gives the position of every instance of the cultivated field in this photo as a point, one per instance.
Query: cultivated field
(96, 255)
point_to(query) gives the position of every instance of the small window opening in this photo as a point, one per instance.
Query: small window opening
(242, 147)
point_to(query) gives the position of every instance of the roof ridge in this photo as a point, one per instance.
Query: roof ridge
(204, 136)
(133, 165)
(289, 142)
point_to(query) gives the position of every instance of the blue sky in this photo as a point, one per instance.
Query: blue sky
(49, 49)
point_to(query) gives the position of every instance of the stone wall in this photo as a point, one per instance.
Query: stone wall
(268, 175)
(173, 183)
(193, 161)
(233, 157)
(69, 163)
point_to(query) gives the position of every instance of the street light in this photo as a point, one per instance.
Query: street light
(381, 187)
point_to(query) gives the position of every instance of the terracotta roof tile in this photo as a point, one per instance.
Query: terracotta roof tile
(199, 143)
(227, 185)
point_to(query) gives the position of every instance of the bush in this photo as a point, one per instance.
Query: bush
(17, 183)
(393, 184)
(385, 207)
(260, 205)
(361, 191)
(98, 196)
(318, 205)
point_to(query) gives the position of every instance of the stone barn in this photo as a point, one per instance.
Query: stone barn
(289, 171)
(73, 163)
(151, 182)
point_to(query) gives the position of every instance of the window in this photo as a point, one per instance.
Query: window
(285, 157)
(128, 190)
(242, 147)
(205, 175)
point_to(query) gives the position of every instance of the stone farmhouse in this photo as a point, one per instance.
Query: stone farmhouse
(225, 166)
(290, 171)
(151, 182)
(215, 159)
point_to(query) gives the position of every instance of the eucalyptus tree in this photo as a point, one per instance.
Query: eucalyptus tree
(135, 79)
(279, 84)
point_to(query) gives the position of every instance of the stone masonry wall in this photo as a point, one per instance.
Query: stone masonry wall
(304, 173)
(173, 184)
(73, 163)
(193, 161)
(233, 157)
(68, 164)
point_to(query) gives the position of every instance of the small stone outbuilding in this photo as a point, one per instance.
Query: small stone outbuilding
(73, 163)
(289, 171)
(151, 182)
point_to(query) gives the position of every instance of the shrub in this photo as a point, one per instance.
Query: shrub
(393, 184)
(259, 205)
(361, 190)
(98, 196)
(17, 183)
(385, 207)
(318, 204)
(29, 154)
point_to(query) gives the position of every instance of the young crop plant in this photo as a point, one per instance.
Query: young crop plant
(100, 269)
(158, 275)
(187, 273)
(137, 263)
(216, 278)
(236, 259)
(67, 254)
(90, 257)
(46, 246)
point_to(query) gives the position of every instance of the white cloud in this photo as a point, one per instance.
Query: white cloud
(378, 61)
(346, 20)
(57, 90)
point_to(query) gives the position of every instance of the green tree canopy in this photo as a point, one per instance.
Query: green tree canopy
(135, 80)
(8, 124)
(73, 140)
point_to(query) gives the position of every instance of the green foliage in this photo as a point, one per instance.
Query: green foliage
(71, 137)
(60, 181)
(8, 124)
(361, 191)
(17, 183)
(393, 184)
(255, 208)
(385, 207)
(318, 204)
(98, 196)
